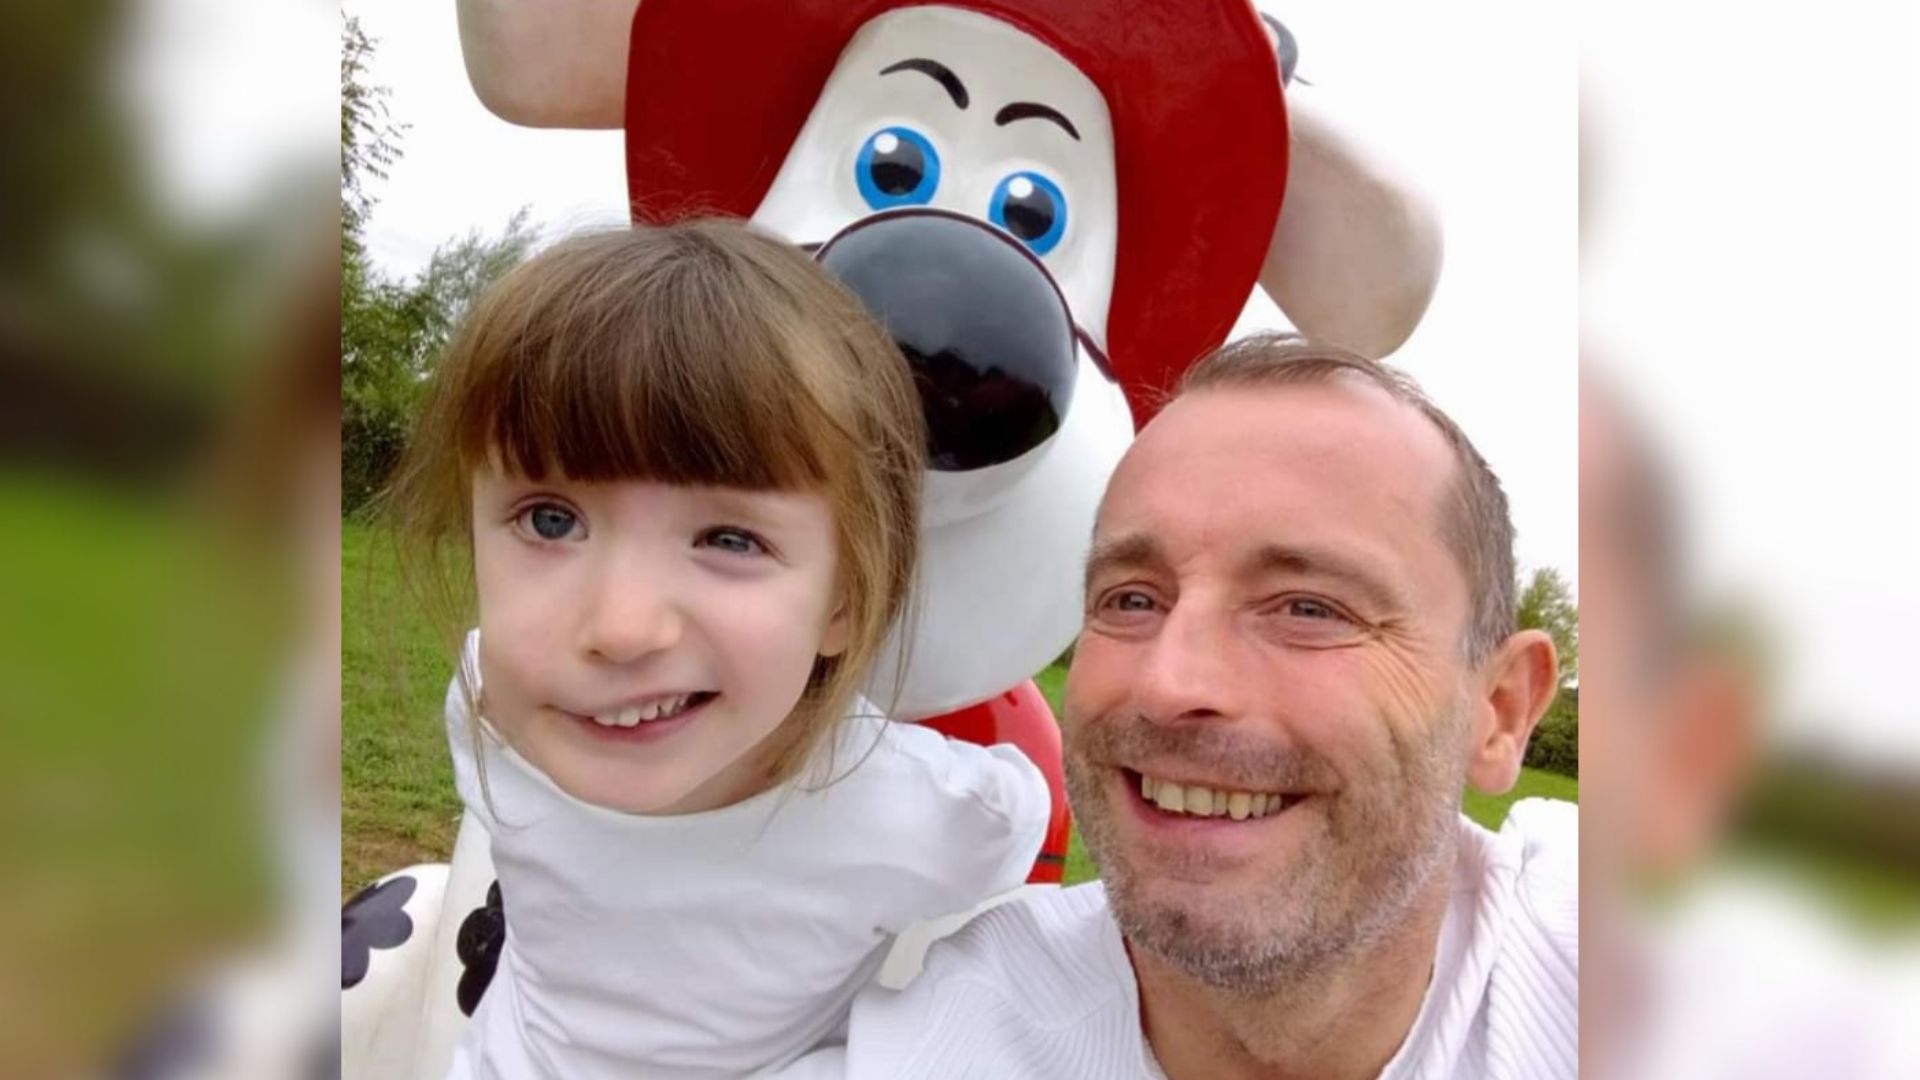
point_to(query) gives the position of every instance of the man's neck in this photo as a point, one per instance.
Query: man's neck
(1344, 1019)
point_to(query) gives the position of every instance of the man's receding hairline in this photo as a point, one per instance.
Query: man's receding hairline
(1451, 483)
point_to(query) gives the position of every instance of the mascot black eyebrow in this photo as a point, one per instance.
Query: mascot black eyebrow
(1054, 206)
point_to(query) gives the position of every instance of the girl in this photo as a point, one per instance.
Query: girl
(685, 465)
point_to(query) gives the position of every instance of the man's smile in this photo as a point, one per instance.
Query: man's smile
(1202, 800)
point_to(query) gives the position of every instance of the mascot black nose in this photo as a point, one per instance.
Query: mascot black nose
(981, 323)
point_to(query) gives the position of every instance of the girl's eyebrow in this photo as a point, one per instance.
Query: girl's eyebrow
(772, 508)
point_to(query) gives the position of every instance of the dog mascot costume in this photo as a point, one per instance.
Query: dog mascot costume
(1054, 205)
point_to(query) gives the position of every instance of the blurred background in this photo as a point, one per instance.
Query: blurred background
(179, 219)
(1749, 527)
(169, 564)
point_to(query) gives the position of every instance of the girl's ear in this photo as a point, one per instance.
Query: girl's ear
(838, 632)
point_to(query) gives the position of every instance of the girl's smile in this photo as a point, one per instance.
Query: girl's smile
(650, 709)
(658, 717)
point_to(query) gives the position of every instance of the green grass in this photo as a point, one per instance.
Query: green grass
(1491, 810)
(397, 801)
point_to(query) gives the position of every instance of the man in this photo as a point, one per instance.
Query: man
(1298, 645)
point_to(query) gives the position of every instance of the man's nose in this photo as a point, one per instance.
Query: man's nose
(1187, 670)
(629, 616)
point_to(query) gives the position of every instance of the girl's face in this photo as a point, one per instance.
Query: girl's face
(640, 642)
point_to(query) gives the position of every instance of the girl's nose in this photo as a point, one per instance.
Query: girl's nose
(629, 621)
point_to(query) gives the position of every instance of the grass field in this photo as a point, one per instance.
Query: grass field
(397, 802)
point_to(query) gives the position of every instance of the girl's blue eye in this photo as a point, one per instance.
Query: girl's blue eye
(1031, 207)
(897, 166)
(733, 541)
(550, 522)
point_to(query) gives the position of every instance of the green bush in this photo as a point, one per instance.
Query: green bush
(369, 448)
(1556, 741)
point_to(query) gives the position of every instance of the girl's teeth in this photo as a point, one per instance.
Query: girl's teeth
(660, 709)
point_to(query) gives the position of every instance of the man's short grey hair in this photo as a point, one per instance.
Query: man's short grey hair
(1474, 520)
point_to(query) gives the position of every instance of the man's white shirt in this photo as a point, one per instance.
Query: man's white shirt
(1042, 987)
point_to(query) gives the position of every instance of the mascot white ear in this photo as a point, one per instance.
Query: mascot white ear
(1356, 250)
(549, 63)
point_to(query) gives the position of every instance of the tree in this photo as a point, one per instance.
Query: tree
(368, 137)
(393, 332)
(1546, 603)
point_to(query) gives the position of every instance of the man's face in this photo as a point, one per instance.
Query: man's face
(1273, 622)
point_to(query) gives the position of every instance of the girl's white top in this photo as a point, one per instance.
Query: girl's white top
(724, 943)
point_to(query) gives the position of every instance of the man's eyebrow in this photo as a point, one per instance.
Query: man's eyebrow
(1323, 563)
(1033, 110)
(1131, 550)
(938, 72)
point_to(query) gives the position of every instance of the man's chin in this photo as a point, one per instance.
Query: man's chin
(1203, 911)
(1206, 940)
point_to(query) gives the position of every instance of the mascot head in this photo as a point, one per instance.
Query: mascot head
(1138, 149)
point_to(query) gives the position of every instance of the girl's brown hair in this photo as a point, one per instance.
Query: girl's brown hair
(697, 353)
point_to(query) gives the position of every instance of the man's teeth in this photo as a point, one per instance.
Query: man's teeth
(659, 709)
(1209, 802)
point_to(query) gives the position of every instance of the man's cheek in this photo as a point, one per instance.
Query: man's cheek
(1091, 678)
(1406, 699)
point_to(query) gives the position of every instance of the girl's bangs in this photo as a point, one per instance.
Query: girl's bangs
(684, 398)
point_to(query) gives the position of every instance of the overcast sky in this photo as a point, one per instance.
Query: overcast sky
(1490, 130)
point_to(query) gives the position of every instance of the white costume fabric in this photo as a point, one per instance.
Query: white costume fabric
(1042, 988)
(723, 943)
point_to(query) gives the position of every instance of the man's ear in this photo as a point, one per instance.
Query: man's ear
(1515, 686)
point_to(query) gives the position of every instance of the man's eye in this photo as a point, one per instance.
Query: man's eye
(1308, 608)
(550, 521)
(733, 541)
(1129, 600)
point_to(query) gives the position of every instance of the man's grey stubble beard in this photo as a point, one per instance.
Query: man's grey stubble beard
(1357, 879)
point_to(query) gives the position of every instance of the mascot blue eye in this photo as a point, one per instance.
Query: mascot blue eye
(1031, 207)
(897, 166)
